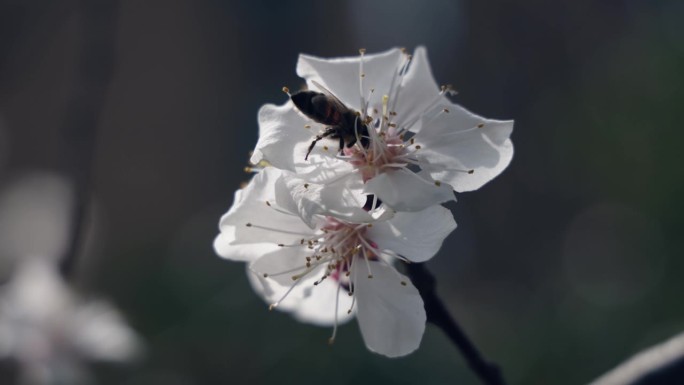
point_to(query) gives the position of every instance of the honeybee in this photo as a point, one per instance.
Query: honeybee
(341, 122)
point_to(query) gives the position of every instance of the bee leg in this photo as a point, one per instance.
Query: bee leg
(328, 132)
(312, 145)
(341, 145)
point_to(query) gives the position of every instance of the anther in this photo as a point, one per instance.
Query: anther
(286, 90)
(248, 225)
(471, 171)
(272, 306)
(268, 203)
(325, 148)
(446, 110)
(306, 185)
(331, 341)
(248, 169)
(480, 125)
(403, 283)
(417, 146)
(265, 275)
(307, 126)
(438, 183)
(370, 276)
(281, 245)
(362, 51)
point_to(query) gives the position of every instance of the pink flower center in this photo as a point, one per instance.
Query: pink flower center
(385, 152)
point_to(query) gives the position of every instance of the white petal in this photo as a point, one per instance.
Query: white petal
(281, 265)
(341, 75)
(343, 199)
(414, 235)
(284, 142)
(251, 227)
(280, 129)
(453, 143)
(308, 303)
(404, 190)
(100, 333)
(418, 90)
(391, 316)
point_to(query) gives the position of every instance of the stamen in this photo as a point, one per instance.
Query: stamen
(362, 106)
(337, 302)
(402, 72)
(276, 303)
(365, 257)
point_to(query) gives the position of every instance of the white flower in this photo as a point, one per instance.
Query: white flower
(421, 145)
(325, 269)
(49, 331)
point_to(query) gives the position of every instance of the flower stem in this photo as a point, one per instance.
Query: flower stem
(437, 314)
(86, 101)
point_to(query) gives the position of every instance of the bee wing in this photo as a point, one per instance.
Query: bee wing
(338, 103)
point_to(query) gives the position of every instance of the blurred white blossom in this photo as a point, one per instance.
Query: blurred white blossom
(35, 212)
(50, 332)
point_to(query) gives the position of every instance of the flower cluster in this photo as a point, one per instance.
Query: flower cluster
(354, 172)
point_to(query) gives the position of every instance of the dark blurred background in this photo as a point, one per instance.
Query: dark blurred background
(561, 268)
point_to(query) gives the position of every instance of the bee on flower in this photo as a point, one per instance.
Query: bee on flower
(350, 178)
(409, 144)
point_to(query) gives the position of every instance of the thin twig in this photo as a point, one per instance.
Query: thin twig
(437, 314)
(659, 364)
(95, 68)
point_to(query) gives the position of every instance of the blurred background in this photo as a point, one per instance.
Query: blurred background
(141, 115)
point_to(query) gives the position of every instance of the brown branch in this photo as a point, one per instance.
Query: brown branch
(438, 315)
